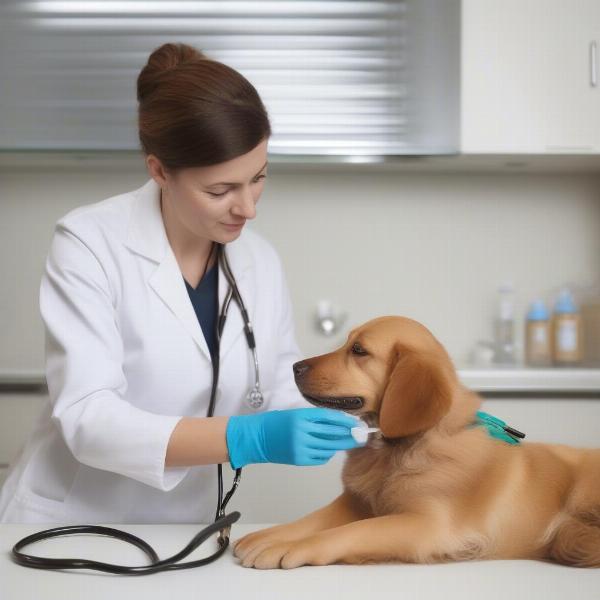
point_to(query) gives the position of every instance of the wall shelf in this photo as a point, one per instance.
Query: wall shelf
(22, 380)
(523, 379)
(499, 380)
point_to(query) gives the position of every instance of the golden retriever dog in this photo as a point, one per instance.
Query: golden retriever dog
(430, 487)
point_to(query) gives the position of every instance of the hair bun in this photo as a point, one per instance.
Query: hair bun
(165, 58)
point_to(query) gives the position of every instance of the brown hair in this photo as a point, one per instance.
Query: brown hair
(194, 111)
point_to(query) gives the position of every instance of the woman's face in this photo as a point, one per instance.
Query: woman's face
(214, 202)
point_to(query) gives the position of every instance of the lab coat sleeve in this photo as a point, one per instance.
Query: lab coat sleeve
(86, 382)
(286, 394)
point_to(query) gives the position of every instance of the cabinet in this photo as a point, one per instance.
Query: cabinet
(337, 78)
(527, 76)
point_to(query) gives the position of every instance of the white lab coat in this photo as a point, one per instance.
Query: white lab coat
(126, 359)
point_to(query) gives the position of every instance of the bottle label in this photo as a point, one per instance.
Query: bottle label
(567, 336)
(539, 335)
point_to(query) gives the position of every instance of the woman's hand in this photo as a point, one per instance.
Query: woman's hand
(300, 436)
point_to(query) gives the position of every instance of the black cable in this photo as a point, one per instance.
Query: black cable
(156, 565)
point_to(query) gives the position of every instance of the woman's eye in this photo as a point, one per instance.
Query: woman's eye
(358, 349)
(215, 195)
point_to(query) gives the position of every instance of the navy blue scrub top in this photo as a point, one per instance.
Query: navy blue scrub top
(205, 300)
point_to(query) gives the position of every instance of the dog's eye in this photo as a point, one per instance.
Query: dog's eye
(358, 349)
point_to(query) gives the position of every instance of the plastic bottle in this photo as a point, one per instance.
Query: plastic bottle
(566, 331)
(504, 325)
(538, 349)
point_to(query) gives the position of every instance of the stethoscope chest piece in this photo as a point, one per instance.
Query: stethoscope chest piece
(254, 398)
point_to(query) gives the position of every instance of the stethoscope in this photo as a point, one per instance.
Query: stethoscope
(222, 522)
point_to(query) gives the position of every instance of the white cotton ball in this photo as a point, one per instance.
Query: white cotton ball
(361, 432)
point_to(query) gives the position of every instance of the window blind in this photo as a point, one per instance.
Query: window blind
(338, 77)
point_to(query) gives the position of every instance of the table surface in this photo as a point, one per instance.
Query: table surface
(481, 580)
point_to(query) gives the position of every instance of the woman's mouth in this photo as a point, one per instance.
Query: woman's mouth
(233, 226)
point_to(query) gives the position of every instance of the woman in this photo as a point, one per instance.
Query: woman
(129, 300)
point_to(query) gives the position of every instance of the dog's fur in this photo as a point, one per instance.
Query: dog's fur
(430, 488)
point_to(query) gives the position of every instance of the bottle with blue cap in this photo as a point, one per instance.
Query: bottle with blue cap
(566, 330)
(538, 350)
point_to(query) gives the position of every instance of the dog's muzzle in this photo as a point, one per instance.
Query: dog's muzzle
(343, 403)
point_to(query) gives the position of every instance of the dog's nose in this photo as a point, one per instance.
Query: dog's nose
(300, 368)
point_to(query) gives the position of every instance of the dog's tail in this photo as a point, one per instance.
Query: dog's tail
(577, 540)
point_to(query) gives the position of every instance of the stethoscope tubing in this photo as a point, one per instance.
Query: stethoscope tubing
(156, 565)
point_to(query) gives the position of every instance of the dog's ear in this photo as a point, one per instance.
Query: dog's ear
(417, 396)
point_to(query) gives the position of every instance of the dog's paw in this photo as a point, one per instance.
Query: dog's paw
(266, 555)
(284, 554)
(249, 542)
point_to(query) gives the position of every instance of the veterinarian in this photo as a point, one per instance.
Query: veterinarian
(130, 299)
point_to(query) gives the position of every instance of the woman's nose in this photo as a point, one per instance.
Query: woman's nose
(246, 204)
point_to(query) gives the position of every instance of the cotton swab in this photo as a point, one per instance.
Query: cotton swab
(362, 431)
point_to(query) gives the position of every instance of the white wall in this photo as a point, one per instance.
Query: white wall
(431, 246)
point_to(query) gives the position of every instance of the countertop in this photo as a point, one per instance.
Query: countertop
(528, 379)
(226, 579)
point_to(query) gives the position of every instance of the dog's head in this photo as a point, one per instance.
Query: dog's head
(391, 371)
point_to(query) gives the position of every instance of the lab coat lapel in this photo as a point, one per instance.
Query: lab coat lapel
(147, 236)
(167, 281)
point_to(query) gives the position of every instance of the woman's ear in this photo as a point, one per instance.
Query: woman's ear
(417, 396)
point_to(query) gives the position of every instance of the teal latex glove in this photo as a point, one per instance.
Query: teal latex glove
(299, 436)
(494, 427)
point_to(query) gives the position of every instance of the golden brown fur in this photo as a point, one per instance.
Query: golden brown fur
(429, 488)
